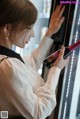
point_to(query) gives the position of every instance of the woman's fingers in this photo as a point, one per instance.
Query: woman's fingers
(61, 12)
(66, 61)
(62, 52)
(57, 10)
(57, 15)
(61, 20)
(56, 21)
(61, 62)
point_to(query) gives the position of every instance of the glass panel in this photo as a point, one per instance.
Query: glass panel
(78, 108)
(69, 105)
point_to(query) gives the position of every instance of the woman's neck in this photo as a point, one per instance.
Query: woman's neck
(5, 43)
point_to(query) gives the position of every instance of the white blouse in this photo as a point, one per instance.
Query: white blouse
(22, 90)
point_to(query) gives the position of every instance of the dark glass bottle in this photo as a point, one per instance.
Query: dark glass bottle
(48, 61)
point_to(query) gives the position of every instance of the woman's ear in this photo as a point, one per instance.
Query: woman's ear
(7, 30)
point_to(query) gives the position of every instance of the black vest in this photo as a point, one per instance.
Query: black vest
(10, 53)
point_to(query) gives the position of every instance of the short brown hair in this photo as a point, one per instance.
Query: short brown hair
(16, 11)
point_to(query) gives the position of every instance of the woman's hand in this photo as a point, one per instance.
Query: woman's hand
(60, 62)
(56, 21)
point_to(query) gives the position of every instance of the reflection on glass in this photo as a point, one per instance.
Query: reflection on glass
(70, 102)
(78, 108)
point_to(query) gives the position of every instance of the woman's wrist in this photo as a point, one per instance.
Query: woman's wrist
(57, 66)
(48, 34)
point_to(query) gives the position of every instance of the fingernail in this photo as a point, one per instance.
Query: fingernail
(62, 46)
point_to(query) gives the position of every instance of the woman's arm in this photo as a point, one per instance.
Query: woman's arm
(40, 53)
(17, 84)
(56, 21)
(18, 89)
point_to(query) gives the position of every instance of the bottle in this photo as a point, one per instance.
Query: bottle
(48, 61)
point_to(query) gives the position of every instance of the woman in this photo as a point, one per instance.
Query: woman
(22, 90)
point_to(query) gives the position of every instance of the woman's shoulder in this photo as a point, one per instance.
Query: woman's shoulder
(6, 69)
(9, 63)
(12, 68)
(6, 59)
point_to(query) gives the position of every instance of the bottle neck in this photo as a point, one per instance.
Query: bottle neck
(74, 46)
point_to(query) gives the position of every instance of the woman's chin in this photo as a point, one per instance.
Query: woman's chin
(22, 46)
